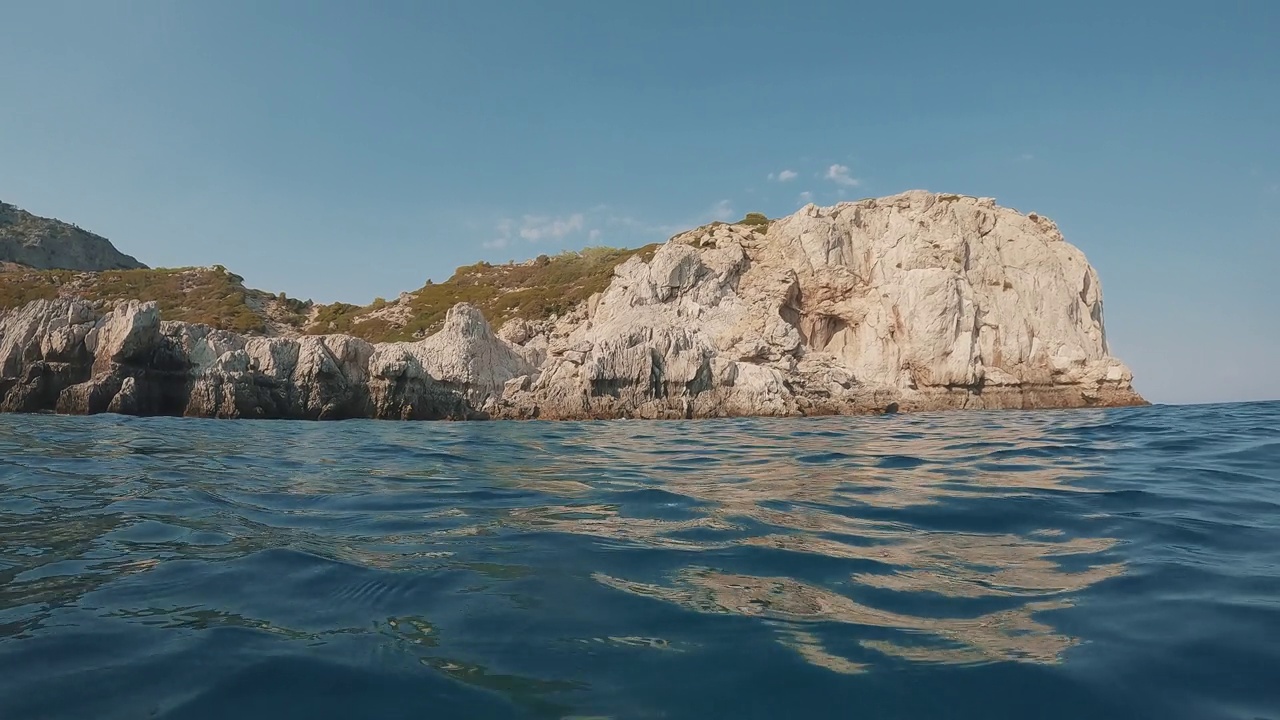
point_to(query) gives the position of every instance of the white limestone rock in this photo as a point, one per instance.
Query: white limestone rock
(918, 299)
(915, 301)
(466, 354)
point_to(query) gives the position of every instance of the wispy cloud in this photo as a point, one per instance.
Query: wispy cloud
(806, 197)
(599, 223)
(722, 211)
(504, 232)
(1026, 157)
(539, 227)
(536, 228)
(622, 220)
(839, 174)
(784, 176)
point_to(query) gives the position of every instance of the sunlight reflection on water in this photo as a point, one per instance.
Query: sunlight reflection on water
(515, 558)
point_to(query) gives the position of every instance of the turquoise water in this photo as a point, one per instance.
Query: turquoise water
(1072, 564)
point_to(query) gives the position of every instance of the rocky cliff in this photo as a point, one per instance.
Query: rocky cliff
(917, 301)
(45, 243)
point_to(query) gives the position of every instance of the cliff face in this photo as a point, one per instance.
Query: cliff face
(44, 243)
(917, 301)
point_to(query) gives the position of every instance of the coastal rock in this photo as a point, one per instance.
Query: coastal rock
(915, 301)
(468, 357)
(911, 302)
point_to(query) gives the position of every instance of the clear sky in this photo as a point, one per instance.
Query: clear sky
(342, 150)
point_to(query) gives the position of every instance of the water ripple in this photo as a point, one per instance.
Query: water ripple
(1118, 563)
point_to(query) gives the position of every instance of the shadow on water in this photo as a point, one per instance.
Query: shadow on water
(966, 564)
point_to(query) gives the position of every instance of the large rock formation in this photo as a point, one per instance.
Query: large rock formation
(917, 301)
(59, 355)
(48, 244)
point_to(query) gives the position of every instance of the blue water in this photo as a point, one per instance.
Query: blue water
(1071, 564)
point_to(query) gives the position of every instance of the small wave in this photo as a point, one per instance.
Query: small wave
(643, 569)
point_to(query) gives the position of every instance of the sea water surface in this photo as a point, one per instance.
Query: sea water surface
(1069, 564)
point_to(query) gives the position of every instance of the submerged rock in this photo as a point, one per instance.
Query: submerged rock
(911, 302)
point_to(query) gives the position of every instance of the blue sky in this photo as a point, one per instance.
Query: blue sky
(343, 152)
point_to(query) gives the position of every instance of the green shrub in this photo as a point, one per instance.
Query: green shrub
(209, 296)
(550, 285)
(547, 286)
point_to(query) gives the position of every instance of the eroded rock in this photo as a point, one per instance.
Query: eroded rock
(916, 301)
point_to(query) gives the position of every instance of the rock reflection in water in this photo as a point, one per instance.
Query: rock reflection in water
(853, 543)
(810, 648)
(843, 502)
(1011, 635)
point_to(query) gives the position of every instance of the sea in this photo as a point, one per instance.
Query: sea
(1064, 564)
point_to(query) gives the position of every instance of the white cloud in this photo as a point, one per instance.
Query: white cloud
(536, 228)
(839, 174)
(806, 197)
(590, 226)
(1026, 157)
(540, 227)
(784, 176)
(504, 231)
(722, 211)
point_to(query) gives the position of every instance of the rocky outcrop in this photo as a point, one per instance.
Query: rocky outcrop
(59, 355)
(913, 302)
(916, 301)
(47, 244)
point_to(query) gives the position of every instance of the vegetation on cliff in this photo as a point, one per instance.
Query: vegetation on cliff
(211, 296)
(534, 290)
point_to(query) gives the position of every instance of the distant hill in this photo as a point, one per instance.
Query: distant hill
(48, 244)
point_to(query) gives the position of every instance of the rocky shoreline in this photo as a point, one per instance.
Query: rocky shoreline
(914, 302)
